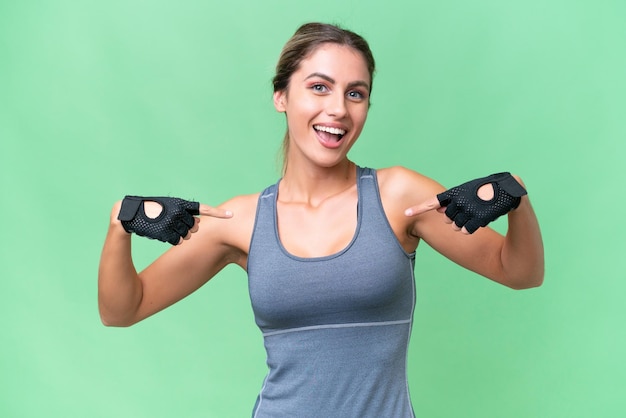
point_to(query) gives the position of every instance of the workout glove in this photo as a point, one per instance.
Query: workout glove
(465, 208)
(174, 221)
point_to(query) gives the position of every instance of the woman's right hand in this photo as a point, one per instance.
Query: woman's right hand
(163, 218)
(126, 296)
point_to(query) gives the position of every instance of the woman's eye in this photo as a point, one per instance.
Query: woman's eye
(319, 88)
(356, 95)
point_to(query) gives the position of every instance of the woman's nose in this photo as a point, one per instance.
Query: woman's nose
(336, 106)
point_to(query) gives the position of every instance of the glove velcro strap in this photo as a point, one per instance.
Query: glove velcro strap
(508, 183)
(130, 206)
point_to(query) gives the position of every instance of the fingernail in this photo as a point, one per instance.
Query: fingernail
(229, 213)
(408, 212)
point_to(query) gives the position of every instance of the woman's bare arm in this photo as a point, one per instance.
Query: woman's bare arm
(126, 296)
(515, 260)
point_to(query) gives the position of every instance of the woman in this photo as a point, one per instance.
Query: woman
(329, 250)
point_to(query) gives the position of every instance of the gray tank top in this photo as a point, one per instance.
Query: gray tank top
(336, 328)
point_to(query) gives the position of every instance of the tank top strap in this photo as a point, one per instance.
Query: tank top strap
(369, 196)
(269, 191)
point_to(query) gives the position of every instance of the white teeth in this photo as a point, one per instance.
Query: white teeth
(334, 131)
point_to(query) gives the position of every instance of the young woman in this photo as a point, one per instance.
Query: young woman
(329, 250)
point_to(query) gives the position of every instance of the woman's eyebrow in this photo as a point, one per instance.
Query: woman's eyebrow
(359, 84)
(321, 75)
(331, 80)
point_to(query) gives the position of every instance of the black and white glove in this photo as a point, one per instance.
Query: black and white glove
(172, 224)
(466, 209)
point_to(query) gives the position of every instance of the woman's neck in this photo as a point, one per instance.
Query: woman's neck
(314, 184)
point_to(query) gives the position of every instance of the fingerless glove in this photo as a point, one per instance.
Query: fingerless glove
(466, 208)
(174, 221)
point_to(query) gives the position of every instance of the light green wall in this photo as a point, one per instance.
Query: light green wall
(102, 99)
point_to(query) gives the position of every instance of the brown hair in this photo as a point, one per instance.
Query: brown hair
(304, 42)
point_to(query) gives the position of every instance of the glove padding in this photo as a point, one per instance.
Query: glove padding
(466, 209)
(174, 221)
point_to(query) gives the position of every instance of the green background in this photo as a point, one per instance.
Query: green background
(102, 99)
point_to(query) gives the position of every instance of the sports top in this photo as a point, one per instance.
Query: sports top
(336, 328)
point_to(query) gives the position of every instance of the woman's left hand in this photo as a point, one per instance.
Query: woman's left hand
(476, 203)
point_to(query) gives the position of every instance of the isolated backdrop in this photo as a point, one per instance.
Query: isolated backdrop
(102, 99)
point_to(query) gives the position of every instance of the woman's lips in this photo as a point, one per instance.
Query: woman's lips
(330, 137)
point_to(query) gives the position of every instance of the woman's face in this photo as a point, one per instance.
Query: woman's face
(326, 104)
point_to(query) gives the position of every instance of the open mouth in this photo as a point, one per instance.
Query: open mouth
(328, 133)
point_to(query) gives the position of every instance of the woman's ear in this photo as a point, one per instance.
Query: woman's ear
(279, 100)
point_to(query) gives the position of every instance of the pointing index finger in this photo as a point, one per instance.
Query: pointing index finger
(215, 212)
(426, 206)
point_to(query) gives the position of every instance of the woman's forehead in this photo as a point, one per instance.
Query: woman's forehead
(334, 59)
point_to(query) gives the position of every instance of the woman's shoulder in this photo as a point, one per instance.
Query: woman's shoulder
(243, 208)
(401, 182)
(401, 188)
(245, 202)
(234, 232)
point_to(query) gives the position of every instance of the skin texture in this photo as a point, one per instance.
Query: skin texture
(317, 198)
